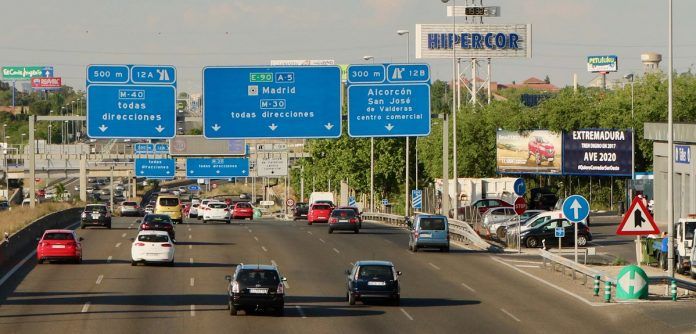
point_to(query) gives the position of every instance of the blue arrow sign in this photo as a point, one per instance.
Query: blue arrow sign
(417, 198)
(520, 187)
(385, 201)
(576, 208)
(155, 168)
(194, 187)
(351, 201)
(217, 168)
(560, 232)
(47, 72)
(129, 101)
(272, 102)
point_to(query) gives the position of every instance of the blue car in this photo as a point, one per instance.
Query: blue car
(373, 279)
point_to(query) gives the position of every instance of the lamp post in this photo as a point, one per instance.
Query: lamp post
(445, 135)
(670, 152)
(408, 144)
(7, 168)
(372, 158)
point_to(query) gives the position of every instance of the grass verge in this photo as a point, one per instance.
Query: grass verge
(19, 217)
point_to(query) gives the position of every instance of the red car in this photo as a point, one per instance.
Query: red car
(541, 149)
(484, 205)
(185, 208)
(59, 245)
(242, 210)
(318, 213)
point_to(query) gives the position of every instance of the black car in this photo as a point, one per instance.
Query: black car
(256, 287)
(344, 220)
(542, 198)
(373, 279)
(546, 234)
(155, 222)
(95, 215)
(4, 205)
(300, 211)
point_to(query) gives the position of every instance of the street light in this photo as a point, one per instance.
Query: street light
(445, 128)
(372, 158)
(408, 139)
(670, 152)
(367, 58)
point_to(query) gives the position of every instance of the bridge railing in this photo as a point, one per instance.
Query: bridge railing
(459, 230)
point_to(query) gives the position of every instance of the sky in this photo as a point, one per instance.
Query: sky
(192, 34)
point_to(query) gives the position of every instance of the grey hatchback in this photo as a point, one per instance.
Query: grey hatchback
(344, 219)
(373, 279)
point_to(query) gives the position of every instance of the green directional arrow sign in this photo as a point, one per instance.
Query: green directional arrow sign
(632, 283)
(26, 72)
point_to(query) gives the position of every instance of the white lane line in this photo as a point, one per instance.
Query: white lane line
(108, 259)
(123, 235)
(190, 246)
(256, 238)
(310, 232)
(189, 229)
(322, 240)
(336, 250)
(388, 241)
(274, 263)
(192, 281)
(191, 260)
(193, 310)
(85, 307)
(264, 249)
(189, 236)
(468, 287)
(406, 314)
(15, 268)
(118, 245)
(249, 230)
(510, 315)
(299, 309)
(523, 261)
(434, 266)
(99, 279)
(526, 266)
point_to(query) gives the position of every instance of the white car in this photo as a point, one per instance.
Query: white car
(217, 211)
(203, 206)
(152, 246)
(149, 209)
(193, 211)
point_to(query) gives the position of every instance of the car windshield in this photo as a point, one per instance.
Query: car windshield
(432, 223)
(217, 205)
(58, 236)
(343, 213)
(153, 238)
(690, 226)
(258, 276)
(321, 207)
(157, 219)
(376, 272)
(528, 215)
(168, 201)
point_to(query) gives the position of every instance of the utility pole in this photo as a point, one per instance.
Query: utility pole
(32, 162)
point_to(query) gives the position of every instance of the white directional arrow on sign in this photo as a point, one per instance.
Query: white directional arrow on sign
(389, 127)
(576, 208)
(244, 172)
(103, 128)
(167, 172)
(159, 128)
(637, 282)
(191, 172)
(273, 127)
(328, 126)
(217, 172)
(142, 172)
(216, 127)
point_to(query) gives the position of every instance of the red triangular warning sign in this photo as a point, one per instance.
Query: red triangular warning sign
(637, 220)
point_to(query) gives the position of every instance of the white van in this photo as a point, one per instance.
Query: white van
(321, 196)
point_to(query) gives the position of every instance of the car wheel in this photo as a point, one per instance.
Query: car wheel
(501, 232)
(78, 260)
(582, 241)
(82, 227)
(280, 311)
(396, 301)
(445, 249)
(229, 221)
(309, 223)
(330, 231)
(108, 226)
(233, 310)
(171, 263)
(693, 275)
(205, 221)
(351, 299)
(532, 242)
(40, 261)
(356, 231)
(133, 263)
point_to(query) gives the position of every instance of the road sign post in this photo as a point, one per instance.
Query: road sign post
(520, 207)
(576, 209)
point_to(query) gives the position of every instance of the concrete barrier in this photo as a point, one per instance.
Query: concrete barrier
(20, 244)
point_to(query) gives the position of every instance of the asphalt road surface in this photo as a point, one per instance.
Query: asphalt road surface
(457, 292)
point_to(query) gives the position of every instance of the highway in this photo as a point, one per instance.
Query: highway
(461, 291)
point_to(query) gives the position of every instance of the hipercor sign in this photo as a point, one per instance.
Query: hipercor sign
(474, 40)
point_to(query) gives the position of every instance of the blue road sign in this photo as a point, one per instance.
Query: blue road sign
(131, 101)
(194, 187)
(47, 72)
(417, 198)
(576, 208)
(155, 168)
(351, 201)
(148, 148)
(272, 102)
(400, 73)
(385, 201)
(217, 168)
(374, 73)
(520, 187)
(560, 232)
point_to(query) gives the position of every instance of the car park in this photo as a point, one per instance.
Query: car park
(59, 245)
(343, 219)
(217, 211)
(95, 215)
(169, 205)
(155, 222)
(129, 208)
(429, 231)
(544, 234)
(242, 210)
(256, 287)
(300, 211)
(152, 247)
(373, 279)
(318, 213)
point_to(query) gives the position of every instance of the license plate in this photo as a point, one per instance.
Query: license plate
(58, 246)
(322, 218)
(343, 221)
(377, 283)
(257, 290)
(95, 216)
(425, 235)
(152, 254)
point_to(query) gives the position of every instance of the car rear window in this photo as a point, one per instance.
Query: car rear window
(157, 219)
(217, 205)
(58, 236)
(258, 276)
(343, 213)
(153, 238)
(95, 208)
(321, 207)
(168, 201)
(376, 272)
(432, 223)
(244, 205)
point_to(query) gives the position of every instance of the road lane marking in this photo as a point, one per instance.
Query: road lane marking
(192, 281)
(118, 245)
(85, 307)
(256, 238)
(123, 235)
(336, 250)
(190, 246)
(189, 229)
(299, 309)
(189, 236)
(264, 249)
(274, 263)
(526, 266)
(193, 310)
(249, 230)
(510, 315)
(523, 261)
(191, 260)
(310, 232)
(434, 266)
(99, 279)
(388, 241)
(108, 259)
(468, 287)
(322, 240)
(406, 314)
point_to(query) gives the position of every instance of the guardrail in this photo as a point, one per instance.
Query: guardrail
(459, 230)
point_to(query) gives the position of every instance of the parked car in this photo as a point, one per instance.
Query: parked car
(484, 205)
(542, 198)
(358, 214)
(95, 215)
(155, 222)
(4, 205)
(545, 234)
(373, 279)
(254, 287)
(217, 211)
(242, 210)
(499, 229)
(152, 247)
(300, 211)
(59, 245)
(319, 213)
(343, 219)
(169, 205)
(497, 215)
(541, 149)
(129, 208)
(429, 231)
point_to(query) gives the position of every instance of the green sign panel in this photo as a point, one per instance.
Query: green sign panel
(261, 77)
(26, 72)
(632, 283)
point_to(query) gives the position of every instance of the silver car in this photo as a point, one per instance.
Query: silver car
(129, 208)
(499, 229)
